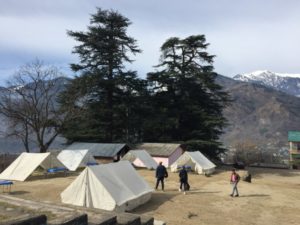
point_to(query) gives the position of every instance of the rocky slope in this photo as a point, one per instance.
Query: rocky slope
(259, 114)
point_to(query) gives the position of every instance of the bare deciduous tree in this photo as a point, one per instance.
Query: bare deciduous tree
(30, 107)
(247, 151)
(20, 130)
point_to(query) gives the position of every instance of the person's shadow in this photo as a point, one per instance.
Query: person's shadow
(18, 192)
(254, 195)
(158, 198)
(195, 191)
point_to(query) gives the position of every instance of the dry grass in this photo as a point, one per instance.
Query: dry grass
(272, 198)
(9, 211)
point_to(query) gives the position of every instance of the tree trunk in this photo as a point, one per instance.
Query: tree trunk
(43, 149)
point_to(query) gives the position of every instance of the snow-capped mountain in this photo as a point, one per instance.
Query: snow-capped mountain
(288, 83)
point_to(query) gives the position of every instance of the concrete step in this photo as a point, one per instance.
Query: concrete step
(26, 220)
(69, 215)
(75, 219)
(147, 220)
(102, 219)
(128, 219)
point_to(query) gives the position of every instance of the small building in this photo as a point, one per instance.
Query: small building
(163, 152)
(102, 152)
(294, 143)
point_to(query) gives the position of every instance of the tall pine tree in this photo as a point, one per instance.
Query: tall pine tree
(186, 100)
(105, 92)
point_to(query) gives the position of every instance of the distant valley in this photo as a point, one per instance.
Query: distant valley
(259, 113)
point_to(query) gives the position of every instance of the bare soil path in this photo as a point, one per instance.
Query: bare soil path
(273, 197)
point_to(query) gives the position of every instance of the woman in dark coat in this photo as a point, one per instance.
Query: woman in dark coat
(183, 178)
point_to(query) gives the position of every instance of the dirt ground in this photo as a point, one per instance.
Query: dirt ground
(273, 197)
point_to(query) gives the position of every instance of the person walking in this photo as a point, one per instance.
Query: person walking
(183, 178)
(234, 180)
(160, 174)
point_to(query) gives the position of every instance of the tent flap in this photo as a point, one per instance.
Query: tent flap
(73, 159)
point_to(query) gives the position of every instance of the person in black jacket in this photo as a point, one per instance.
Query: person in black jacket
(183, 178)
(160, 174)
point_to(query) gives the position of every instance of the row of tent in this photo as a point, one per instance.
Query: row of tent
(195, 160)
(118, 187)
(27, 163)
(113, 186)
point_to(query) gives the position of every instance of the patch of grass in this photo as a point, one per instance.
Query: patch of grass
(3, 217)
(25, 210)
(6, 205)
(48, 214)
(263, 130)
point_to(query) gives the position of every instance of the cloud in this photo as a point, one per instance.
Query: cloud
(244, 35)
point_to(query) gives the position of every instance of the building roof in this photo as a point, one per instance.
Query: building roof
(159, 149)
(98, 149)
(294, 136)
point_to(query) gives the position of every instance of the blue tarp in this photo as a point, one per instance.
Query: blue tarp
(92, 164)
(58, 169)
(6, 182)
(188, 168)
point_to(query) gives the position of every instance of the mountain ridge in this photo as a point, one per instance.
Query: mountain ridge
(259, 114)
(288, 83)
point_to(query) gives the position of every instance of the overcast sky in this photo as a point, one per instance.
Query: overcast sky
(244, 35)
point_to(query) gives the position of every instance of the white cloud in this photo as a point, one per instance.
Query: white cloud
(245, 35)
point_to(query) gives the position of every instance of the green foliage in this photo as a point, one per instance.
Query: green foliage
(263, 130)
(178, 103)
(107, 97)
(187, 103)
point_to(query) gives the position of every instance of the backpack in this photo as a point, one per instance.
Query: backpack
(187, 186)
(166, 174)
(237, 177)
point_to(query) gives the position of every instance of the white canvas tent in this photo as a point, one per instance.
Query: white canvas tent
(140, 158)
(26, 163)
(196, 160)
(74, 159)
(113, 186)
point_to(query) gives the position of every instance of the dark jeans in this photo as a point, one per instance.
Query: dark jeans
(185, 185)
(160, 179)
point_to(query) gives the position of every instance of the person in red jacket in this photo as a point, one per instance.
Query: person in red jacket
(234, 180)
